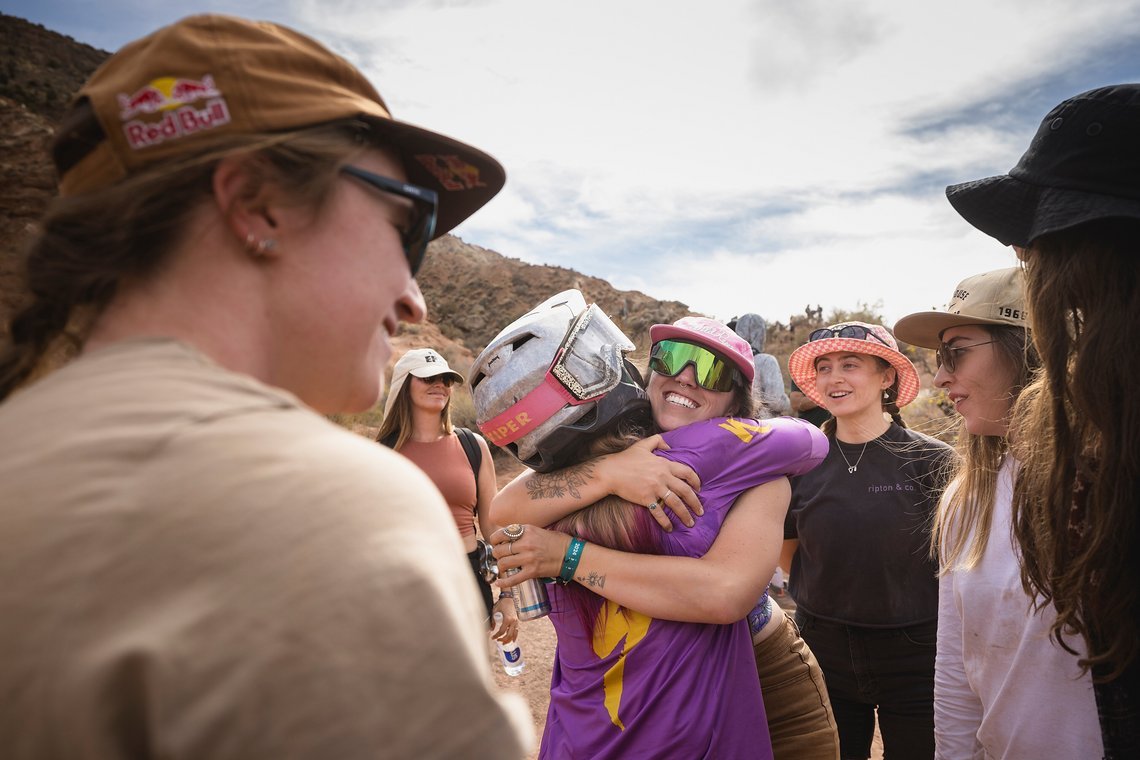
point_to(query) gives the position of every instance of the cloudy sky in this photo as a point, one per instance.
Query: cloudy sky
(736, 155)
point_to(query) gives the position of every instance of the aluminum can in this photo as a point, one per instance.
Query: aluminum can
(531, 601)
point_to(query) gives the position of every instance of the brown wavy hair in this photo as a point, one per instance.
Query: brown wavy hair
(1077, 498)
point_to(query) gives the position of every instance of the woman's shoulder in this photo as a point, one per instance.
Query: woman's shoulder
(784, 445)
(746, 429)
(921, 440)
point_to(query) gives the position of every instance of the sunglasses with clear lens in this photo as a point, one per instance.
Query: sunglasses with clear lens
(858, 332)
(713, 371)
(948, 355)
(420, 228)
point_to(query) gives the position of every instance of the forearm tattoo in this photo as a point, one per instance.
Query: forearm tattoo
(593, 580)
(555, 485)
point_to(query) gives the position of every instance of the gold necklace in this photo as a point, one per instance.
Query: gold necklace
(851, 468)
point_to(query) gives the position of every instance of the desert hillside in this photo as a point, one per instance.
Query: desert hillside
(471, 292)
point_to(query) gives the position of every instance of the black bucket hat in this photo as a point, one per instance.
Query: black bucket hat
(1083, 164)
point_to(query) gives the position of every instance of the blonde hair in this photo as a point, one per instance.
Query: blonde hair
(611, 521)
(970, 499)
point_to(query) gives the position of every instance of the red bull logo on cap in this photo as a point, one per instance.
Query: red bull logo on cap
(166, 93)
(174, 98)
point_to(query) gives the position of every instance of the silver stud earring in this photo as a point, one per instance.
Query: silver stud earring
(259, 247)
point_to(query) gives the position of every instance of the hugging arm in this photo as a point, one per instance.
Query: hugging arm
(635, 474)
(720, 587)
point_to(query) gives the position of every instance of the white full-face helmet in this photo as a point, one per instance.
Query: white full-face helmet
(552, 379)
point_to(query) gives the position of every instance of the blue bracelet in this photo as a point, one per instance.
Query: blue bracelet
(570, 561)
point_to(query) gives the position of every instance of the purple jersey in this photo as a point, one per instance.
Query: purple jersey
(641, 687)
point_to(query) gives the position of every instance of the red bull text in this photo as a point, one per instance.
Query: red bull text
(174, 97)
(174, 124)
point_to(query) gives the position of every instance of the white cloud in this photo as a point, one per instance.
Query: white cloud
(699, 151)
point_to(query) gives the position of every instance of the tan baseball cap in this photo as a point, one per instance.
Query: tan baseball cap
(421, 362)
(183, 88)
(989, 298)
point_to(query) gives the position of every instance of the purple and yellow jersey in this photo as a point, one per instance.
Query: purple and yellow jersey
(635, 686)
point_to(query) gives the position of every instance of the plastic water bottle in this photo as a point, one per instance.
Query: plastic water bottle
(509, 654)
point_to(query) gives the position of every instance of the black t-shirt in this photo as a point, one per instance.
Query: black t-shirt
(863, 557)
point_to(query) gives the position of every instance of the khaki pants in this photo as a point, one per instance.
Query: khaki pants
(800, 720)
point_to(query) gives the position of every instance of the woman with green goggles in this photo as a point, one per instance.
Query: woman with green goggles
(699, 369)
(711, 370)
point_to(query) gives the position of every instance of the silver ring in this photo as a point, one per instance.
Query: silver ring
(514, 531)
(653, 505)
(668, 493)
(511, 544)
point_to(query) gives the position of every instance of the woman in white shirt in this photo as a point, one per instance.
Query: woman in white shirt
(1003, 688)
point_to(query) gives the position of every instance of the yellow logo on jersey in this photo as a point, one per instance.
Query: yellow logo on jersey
(744, 430)
(619, 624)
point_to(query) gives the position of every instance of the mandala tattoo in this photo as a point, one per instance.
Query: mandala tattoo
(555, 485)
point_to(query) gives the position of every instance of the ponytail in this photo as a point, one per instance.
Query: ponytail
(891, 402)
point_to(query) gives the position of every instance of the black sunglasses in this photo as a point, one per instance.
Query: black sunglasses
(421, 224)
(858, 332)
(447, 380)
(948, 355)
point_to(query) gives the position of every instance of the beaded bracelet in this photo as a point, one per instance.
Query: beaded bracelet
(570, 561)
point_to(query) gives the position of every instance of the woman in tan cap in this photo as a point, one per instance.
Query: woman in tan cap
(1002, 687)
(857, 543)
(196, 562)
(417, 423)
(1071, 208)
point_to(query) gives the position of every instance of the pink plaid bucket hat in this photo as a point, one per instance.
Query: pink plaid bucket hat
(856, 338)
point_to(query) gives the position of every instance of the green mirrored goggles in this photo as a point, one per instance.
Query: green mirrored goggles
(713, 371)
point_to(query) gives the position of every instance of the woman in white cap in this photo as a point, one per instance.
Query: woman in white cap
(197, 563)
(1071, 208)
(699, 370)
(417, 423)
(1002, 687)
(857, 541)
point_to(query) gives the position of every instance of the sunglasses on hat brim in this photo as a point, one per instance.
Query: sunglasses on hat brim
(713, 371)
(857, 332)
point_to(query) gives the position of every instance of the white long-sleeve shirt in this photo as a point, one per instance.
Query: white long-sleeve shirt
(1002, 687)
